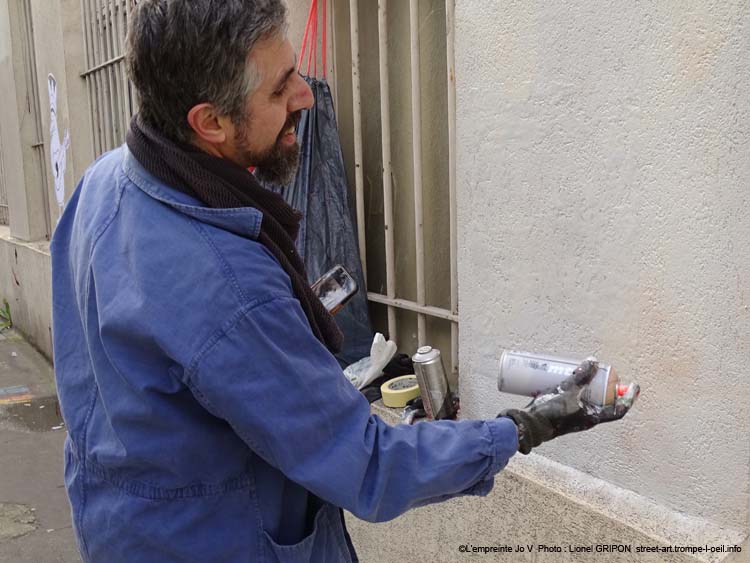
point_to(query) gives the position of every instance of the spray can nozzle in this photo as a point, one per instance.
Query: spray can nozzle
(623, 389)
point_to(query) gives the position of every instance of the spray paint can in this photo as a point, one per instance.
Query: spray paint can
(433, 383)
(527, 374)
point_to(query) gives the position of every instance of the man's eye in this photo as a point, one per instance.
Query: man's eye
(281, 91)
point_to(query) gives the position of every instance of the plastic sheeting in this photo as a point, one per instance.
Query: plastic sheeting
(327, 235)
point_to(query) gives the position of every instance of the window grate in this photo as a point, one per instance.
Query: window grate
(112, 99)
(392, 239)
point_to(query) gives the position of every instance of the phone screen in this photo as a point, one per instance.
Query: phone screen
(335, 288)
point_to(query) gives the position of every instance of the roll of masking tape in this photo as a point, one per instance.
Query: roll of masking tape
(399, 391)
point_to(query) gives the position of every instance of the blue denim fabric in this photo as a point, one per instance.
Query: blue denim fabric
(206, 422)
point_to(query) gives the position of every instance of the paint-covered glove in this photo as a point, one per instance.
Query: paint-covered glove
(564, 410)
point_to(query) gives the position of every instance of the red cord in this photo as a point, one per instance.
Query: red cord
(314, 7)
(304, 38)
(311, 37)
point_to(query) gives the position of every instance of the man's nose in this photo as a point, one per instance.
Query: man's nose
(303, 96)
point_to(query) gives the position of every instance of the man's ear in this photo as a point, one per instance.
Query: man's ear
(207, 125)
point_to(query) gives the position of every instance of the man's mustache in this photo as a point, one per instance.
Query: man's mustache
(292, 120)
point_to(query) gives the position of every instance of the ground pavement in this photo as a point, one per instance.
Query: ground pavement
(34, 511)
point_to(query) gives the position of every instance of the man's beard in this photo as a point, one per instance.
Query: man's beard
(278, 165)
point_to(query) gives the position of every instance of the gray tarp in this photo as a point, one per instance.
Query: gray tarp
(327, 235)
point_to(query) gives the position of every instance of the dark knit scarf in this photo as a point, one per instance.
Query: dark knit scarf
(220, 183)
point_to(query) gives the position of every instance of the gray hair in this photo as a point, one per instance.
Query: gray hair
(185, 52)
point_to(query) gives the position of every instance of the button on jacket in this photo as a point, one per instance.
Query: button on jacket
(206, 422)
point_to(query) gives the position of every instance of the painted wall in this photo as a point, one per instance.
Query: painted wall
(58, 50)
(58, 35)
(23, 163)
(604, 184)
(25, 281)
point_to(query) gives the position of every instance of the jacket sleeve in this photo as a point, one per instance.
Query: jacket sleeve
(287, 398)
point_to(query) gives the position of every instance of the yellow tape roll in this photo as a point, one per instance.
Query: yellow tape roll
(399, 391)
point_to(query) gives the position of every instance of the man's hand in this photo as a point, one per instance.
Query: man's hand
(563, 411)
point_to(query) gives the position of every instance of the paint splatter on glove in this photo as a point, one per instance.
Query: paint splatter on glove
(564, 410)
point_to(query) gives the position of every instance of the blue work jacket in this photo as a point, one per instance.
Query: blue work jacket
(205, 421)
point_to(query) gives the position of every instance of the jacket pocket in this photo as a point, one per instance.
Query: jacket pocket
(325, 544)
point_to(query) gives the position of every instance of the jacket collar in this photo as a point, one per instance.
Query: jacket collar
(243, 221)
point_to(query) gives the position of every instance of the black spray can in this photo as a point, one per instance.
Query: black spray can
(433, 383)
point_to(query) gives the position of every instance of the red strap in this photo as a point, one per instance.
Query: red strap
(310, 39)
(312, 34)
(307, 30)
(315, 41)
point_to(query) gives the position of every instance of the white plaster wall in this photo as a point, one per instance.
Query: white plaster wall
(604, 188)
(26, 281)
(50, 59)
(23, 176)
(72, 98)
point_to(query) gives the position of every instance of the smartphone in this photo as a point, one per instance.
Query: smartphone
(335, 288)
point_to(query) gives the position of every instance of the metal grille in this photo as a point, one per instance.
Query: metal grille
(111, 96)
(3, 193)
(390, 298)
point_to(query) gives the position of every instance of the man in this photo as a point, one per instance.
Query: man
(207, 418)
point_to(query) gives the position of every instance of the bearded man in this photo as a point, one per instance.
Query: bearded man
(208, 419)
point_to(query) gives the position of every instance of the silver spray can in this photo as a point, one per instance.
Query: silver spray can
(433, 383)
(523, 373)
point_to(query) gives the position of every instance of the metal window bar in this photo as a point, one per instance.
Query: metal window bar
(110, 94)
(106, 86)
(4, 218)
(385, 123)
(450, 9)
(106, 27)
(416, 136)
(390, 299)
(357, 125)
(32, 88)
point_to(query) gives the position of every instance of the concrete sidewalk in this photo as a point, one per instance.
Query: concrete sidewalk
(34, 512)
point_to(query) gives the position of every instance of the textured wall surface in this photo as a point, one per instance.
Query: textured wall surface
(26, 281)
(537, 502)
(604, 187)
(58, 37)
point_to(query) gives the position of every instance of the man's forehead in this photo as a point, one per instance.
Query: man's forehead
(273, 57)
